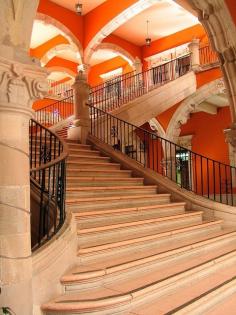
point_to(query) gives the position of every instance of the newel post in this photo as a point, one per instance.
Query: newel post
(195, 57)
(80, 129)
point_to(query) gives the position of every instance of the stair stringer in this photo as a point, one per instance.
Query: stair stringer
(155, 102)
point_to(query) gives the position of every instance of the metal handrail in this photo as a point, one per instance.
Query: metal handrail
(118, 91)
(48, 154)
(197, 173)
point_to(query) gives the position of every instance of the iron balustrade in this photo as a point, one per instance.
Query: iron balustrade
(48, 182)
(197, 173)
(207, 56)
(58, 111)
(117, 91)
(123, 89)
(59, 89)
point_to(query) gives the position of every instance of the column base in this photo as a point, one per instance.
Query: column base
(79, 134)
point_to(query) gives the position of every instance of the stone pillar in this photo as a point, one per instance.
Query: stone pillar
(137, 65)
(79, 130)
(194, 50)
(20, 85)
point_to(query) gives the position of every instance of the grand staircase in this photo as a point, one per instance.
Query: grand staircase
(140, 252)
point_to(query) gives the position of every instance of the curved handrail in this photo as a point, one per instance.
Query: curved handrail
(202, 175)
(48, 153)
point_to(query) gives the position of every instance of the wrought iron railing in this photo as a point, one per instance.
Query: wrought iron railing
(117, 91)
(207, 56)
(48, 178)
(125, 88)
(58, 89)
(53, 113)
(190, 170)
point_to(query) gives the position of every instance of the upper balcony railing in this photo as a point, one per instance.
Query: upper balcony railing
(58, 89)
(207, 56)
(118, 91)
(123, 89)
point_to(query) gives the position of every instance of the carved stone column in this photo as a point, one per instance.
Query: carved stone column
(194, 50)
(79, 130)
(20, 85)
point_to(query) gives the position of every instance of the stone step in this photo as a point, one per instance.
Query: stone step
(115, 216)
(87, 158)
(79, 151)
(112, 235)
(102, 181)
(78, 192)
(136, 243)
(93, 165)
(111, 202)
(151, 285)
(127, 266)
(97, 173)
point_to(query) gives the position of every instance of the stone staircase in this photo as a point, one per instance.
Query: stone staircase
(139, 251)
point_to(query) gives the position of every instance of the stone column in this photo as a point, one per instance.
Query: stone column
(137, 65)
(79, 130)
(194, 50)
(20, 84)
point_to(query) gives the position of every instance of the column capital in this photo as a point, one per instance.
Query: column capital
(20, 85)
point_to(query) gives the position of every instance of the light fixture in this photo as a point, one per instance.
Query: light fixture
(78, 8)
(148, 39)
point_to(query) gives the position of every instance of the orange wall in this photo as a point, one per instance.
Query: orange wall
(208, 76)
(109, 65)
(209, 139)
(42, 103)
(232, 8)
(68, 18)
(174, 40)
(165, 117)
(101, 15)
(129, 47)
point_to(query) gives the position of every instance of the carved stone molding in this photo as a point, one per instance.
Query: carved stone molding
(118, 50)
(191, 103)
(72, 39)
(20, 85)
(220, 27)
(157, 127)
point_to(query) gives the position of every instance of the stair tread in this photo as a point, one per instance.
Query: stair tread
(92, 163)
(153, 235)
(109, 227)
(121, 211)
(120, 260)
(160, 277)
(110, 188)
(168, 304)
(108, 198)
(97, 170)
(102, 178)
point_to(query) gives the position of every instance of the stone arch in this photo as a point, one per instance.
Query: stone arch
(69, 72)
(119, 50)
(182, 113)
(156, 126)
(73, 40)
(120, 19)
(56, 49)
(217, 21)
